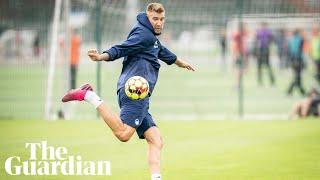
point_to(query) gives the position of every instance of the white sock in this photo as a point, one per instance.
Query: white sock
(92, 98)
(155, 176)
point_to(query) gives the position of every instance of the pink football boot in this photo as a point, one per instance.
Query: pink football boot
(77, 94)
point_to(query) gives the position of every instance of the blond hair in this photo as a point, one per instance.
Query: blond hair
(155, 7)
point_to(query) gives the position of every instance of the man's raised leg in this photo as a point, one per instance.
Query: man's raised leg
(122, 131)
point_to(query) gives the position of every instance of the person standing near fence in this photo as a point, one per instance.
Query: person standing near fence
(223, 48)
(36, 45)
(295, 51)
(240, 52)
(74, 57)
(263, 40)
(315, 51)
(281, 44)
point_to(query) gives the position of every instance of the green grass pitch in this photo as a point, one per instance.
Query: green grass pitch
(193, 150)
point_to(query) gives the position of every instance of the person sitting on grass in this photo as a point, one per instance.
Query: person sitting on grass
(310, 106)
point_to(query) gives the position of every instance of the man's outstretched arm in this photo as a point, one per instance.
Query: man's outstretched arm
(135, 43)
(95, 56)
(168, 57)
(183, 64)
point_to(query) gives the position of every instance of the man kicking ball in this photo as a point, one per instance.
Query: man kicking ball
(141, 52)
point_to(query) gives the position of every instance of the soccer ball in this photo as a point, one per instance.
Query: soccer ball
(137, 88)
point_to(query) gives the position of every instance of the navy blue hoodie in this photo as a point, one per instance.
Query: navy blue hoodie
(141, 52)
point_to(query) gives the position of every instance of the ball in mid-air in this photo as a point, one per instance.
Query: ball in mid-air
(137, 88)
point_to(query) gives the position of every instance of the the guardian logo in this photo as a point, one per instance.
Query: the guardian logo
(54, 161)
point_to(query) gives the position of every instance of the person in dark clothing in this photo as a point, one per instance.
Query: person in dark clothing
(295, 51)
(263, 40)
(36, 45)
(223, 48)
(141, 51)
(281, 43)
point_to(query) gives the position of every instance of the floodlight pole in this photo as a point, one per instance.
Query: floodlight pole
(241, 48)
(98, 42)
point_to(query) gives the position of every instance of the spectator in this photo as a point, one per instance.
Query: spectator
(240, 52)
(223, 46)
(315, 51)
(36, 45)
(74, 57)
(309, 106)
(295, 51)
(18, 44)
(281, 43)
(263, 40)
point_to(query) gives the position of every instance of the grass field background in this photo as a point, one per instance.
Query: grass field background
(193, 149)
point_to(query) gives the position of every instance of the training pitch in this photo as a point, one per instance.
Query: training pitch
(196, 150)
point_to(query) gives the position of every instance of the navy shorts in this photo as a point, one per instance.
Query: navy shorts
(135, 113)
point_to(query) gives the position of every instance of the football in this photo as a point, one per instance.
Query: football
(137, 88)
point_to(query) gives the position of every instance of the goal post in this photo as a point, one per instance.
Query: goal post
(52, 58)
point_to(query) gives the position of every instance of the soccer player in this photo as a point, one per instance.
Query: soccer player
(315, 50)
(141, 52)
(295, 52)
(264, 38)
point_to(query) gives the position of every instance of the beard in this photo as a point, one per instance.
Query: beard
(157, 33)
